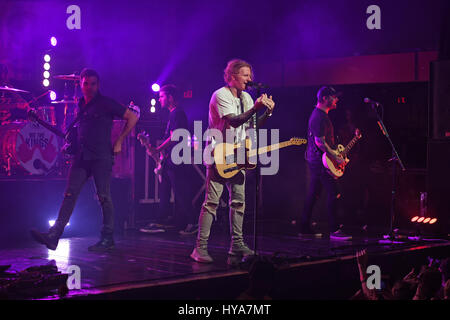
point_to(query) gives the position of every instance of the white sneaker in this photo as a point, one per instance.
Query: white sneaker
(240, 250)
(201, 255)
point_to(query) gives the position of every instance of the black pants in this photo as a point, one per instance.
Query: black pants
(175, 177)
(79, 172)
(318, 177)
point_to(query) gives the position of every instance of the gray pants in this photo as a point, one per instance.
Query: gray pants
(213, 192)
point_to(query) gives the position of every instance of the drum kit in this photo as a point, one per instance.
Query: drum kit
(26, 147)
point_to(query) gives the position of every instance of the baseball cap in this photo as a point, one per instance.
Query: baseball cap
(326, 91)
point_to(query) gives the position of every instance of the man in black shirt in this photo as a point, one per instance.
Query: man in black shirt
(94, 156)
(320, 140)
(173, 175)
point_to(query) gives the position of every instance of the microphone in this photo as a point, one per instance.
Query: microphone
(252, 84)
(368, 100)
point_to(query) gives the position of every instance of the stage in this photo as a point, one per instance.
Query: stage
(158, 266)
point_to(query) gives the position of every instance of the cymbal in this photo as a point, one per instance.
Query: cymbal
(64, 102)
(6, 88)
(70, 77)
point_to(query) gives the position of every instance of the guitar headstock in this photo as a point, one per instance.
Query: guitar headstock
(358, 134)
(143, 138)
(298, 141)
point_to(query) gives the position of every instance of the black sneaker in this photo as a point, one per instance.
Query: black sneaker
(104, 245)
(50, 239)
(190, 229)
(340, 236)
(309, 233)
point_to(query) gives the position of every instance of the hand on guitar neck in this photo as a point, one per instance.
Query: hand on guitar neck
(152, 152)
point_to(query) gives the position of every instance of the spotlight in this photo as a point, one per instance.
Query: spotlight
(152, 109)
(153, 102)
(420, 219)
(46, 83)
(52, 223)
(432, 221)
(46, 74)
(155, 87)
(52, 95)
(426, 220)
(53, 41)
(414, 219)
(47, 66)
(47, 58)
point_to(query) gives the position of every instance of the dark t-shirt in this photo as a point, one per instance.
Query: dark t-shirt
(94, 129)
(177, 120)
(319, 125)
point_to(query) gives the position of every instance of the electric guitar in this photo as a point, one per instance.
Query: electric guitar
(226, 155)
(70, 137)
(334, 169)
(158, 158)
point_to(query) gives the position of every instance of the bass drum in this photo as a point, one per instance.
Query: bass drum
(27, 147)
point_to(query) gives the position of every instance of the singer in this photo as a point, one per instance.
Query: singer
(230, 108)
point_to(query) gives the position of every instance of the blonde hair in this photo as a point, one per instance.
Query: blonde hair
(233, 67)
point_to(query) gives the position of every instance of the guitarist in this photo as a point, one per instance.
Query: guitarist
(173, 176)
(321, 140)
(230, 108)
(94, 157)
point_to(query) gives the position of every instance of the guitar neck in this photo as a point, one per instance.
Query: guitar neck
(350, 145)
(272, 147)
(50, 128)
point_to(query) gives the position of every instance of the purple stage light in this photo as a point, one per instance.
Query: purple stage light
(152, 109)
(47, 66)
(155, 87)
(47, 58)
(153, 102)
(53, 41)
(46, 83)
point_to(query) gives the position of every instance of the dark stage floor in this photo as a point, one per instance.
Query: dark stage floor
(158, 266)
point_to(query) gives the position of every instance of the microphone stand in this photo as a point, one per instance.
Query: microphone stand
(395, 159)
(252, 258)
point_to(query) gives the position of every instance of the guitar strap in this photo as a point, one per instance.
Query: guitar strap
(79, 117)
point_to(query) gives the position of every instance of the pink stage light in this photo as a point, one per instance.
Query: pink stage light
(414, 219)
(432, 221)
(421, 219)
(426, 220)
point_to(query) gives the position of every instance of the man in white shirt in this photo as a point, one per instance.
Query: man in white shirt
(230, 108)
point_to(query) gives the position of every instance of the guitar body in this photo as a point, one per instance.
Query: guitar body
(333, 168)
(226, 156)
(228, 163)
